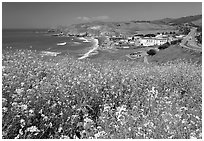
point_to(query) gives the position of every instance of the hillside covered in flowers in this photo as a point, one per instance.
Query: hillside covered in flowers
(61, 97)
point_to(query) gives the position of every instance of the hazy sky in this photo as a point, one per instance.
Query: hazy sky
(47, 14)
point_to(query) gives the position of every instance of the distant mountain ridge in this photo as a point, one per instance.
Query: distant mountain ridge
(177, 21)
(131, 27)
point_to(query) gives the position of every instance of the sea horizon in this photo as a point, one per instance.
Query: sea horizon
(41, 40)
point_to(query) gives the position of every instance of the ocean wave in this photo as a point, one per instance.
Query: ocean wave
(49, 53)
(76, 43)
(85, 39)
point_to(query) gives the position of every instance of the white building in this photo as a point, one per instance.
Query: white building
(180, 36)
(159, 36)
(152, 41)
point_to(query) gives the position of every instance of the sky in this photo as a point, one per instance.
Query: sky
(47, 14)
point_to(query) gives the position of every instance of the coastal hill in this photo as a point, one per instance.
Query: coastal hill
(131, 27)
(196, 19)
(198, 22)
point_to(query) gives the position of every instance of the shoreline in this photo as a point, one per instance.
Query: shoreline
(85, 39)
(95, 47)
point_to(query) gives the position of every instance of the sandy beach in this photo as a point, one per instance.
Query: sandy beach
(95, 47)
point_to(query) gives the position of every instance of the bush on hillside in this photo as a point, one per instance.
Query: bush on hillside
(199, 28)
(199, 38)
(150, 35)
(184, 30)
(151, 52)
(164, 46)
(176, 41)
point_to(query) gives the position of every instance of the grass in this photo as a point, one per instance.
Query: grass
(172, 53)
(60, 97)
(119, 54)
(175, 52)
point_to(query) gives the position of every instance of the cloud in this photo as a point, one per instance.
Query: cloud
(83, 18)
(93, 18)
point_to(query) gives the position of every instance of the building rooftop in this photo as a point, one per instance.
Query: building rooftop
(150, 38)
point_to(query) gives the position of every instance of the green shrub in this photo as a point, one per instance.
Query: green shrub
(151, 52)
(164, 46)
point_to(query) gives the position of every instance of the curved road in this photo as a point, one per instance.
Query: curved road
(190, 42)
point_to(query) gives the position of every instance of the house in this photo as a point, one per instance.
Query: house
(180, 36)
(82, 34)
(152, 41)
(116, 38)
(161, 36)
(171, 38)
(131, 42)
(130, 38)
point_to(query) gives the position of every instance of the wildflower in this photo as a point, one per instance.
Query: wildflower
(33, 129)
(59, 102)
(21, 132)
(3, 68)
(41, 111)
(17, 137)
(193, 135)
(75, 137)
(100, 134)
(24, 107)
(4, 109)
(50, 124)
(106, 108)
(121, 110)
(200, 135)
(4, 100)
(60, 129)
(22, 122)
(87, 123)
(87, 119)
(184, 121)
(19, 91)
(99, 128)
(145, 124)
(22, 84)
(153, 92)
(45, 118)
(61, 113)
(54, 105)
(121, 119)
(64, 137)
(31, 112)
(183, 108)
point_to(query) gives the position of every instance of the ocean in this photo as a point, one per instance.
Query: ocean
(40, 40)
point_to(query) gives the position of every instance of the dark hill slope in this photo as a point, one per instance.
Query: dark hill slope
(178, 21)
(187, 19)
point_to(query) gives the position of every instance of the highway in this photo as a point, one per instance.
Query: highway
(190, 41)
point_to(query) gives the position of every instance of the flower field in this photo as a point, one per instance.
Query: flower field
(64, 98)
